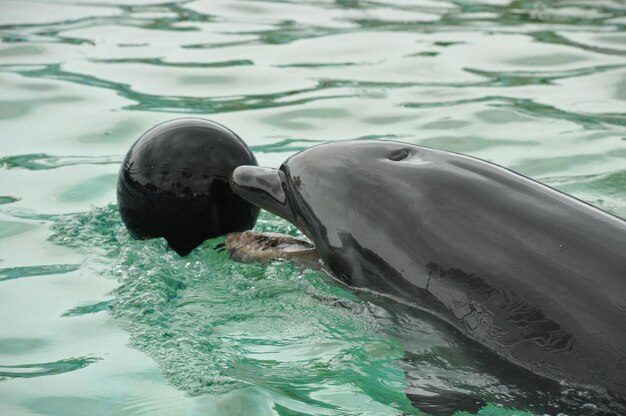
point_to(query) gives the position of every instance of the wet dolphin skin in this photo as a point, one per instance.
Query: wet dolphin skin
(535, 275)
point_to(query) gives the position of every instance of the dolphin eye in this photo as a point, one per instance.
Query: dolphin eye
(398, 155)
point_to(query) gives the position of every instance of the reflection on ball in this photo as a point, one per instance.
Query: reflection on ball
(173, 184)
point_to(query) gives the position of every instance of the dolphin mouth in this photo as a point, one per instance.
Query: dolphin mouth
(265, 188)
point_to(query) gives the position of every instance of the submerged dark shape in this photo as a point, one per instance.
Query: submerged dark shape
(536, 276)
(173, 184)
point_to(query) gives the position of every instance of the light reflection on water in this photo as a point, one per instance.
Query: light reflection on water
(94, 322)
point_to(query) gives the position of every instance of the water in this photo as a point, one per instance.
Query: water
(95, 323)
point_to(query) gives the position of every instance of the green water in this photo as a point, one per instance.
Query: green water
(95, 323)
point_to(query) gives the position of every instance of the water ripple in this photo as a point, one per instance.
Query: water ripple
(5, 199)
(536, 86)
(30, 271)
(150, 102)
(161, 62)
(45, 369)
(520, 78)
(534, 109)
(557, 39)
(88, 308)
(42, 161)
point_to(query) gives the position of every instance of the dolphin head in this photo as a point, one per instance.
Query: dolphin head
(338, 194)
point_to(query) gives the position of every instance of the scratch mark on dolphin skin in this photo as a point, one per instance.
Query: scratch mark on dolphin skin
(531, 323)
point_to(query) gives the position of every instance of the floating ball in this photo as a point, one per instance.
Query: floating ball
(173, 184)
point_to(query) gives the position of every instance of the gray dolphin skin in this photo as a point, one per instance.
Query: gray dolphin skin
(535, 275)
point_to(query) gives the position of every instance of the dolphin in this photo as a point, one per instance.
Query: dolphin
(534, 275)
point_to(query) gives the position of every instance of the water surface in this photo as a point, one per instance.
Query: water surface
(95, 323)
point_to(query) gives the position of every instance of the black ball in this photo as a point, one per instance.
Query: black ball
(174, 184)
